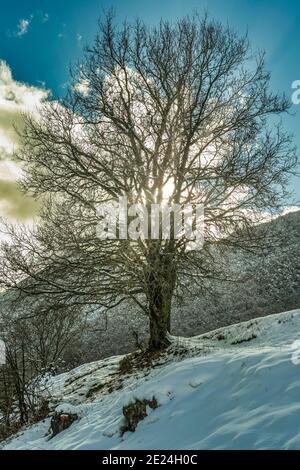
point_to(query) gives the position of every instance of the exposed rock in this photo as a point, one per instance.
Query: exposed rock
(136, 412)
(61, 421)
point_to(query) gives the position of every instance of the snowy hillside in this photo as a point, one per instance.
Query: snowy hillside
(235, 388)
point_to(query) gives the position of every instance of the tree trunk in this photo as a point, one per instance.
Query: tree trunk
(160, 293)
(159, 325)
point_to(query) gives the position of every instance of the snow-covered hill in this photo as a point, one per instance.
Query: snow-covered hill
(235, 388)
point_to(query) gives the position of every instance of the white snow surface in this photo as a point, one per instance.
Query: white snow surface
(234, 388)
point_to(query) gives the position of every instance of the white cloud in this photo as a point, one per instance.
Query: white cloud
(44, 17)
(9, 170)
(16, 95)
(23, 26)
(82, 87)
(24, 23)
(15, 98)
(6, 145)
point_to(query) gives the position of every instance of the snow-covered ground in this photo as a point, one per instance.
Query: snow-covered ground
(235, 388)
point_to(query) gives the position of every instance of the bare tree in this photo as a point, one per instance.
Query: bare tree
(38, 337)
(178, 113)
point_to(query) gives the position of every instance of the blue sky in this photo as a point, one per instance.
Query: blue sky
(40, 38)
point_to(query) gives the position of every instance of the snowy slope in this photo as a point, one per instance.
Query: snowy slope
(235, 388)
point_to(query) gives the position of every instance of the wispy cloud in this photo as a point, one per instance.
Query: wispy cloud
(44, 17)
(24, 23)
(23, 26)
(62, 32)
